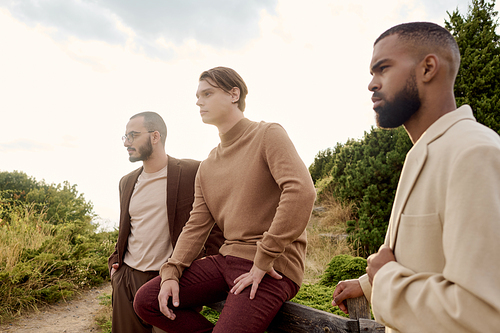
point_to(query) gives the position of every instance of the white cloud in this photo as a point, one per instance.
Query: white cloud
(305, 63)
(226, 24)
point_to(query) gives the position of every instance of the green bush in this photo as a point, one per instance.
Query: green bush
(319, 295)
(343, 267)
(60, 203)
(74, 257)
(49, 247)
(366, 173)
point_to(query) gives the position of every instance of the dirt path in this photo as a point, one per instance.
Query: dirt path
(75, 316)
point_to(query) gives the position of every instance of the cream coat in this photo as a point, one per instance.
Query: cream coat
(445, 234)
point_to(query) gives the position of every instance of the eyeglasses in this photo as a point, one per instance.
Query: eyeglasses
(132, 135)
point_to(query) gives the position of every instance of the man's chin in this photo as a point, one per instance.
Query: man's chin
(384, 123)
(134, 159)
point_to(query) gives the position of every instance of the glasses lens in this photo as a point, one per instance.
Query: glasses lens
(129, 137)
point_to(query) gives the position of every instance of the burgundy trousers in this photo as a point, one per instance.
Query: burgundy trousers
(208, 280)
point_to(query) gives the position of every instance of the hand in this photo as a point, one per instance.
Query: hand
(252, 278)
(377, 260)
(169, 288)
(344, 290)
(114, 268)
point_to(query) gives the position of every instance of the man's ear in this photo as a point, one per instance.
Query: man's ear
(235, 94)
(429, 67)
(156, 137)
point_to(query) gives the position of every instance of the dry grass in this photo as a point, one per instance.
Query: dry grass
(27, 231)
(326, 238)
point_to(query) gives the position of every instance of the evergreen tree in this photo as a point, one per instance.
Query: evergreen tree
(319, 167)
(366, 172)
(478, 80)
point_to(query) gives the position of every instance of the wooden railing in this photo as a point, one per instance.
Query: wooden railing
(297, 318)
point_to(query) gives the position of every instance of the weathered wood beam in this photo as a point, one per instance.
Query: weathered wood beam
(297, 318)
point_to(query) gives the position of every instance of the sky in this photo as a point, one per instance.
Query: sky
(72, 73)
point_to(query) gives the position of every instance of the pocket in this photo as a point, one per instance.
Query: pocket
(419, 243)
(115, 279)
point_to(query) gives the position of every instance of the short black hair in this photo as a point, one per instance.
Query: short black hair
(153, 122)
(423, 33)
(425, 38)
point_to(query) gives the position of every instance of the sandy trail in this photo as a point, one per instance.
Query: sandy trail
(74, 316)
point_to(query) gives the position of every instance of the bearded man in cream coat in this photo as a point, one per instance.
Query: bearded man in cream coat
(438, 269)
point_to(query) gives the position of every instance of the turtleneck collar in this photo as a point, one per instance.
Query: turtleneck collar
(234, 133)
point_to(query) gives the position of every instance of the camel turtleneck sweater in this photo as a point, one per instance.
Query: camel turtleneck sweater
(259, 192)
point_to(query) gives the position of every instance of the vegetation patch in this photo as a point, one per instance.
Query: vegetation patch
(45, 259)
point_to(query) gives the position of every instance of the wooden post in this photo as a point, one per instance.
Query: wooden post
(358, 308)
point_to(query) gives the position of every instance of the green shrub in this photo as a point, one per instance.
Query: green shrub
(366, 173)
(43, 263)
(319, 295)
(343, 267)
(60, 203)
(210, 314)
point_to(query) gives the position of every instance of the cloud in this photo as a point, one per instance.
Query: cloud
(24, 145)
(82, 19)
(228, 24)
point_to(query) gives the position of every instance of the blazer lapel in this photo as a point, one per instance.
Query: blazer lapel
(414, 162)
(127, 191)
(173, 179)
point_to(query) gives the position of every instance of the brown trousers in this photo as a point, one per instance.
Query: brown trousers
(125, 282)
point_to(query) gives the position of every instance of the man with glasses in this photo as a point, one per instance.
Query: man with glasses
(155, 202)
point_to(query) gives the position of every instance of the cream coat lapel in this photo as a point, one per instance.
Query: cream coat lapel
(414, 163)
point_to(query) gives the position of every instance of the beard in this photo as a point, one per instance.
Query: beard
(145, 152)
(404, 105)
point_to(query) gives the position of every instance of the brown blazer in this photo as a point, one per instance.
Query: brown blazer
(180, 195)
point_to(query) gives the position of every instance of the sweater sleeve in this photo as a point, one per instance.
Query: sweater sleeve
(465, 297)
(192, 238)
(296, 200)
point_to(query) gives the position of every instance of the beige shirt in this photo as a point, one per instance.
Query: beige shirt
(149, 244)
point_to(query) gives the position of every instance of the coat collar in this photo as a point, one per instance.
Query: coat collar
(415, 161)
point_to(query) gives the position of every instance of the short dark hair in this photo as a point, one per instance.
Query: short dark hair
(226, 79)
(153, 122)
(425, 35)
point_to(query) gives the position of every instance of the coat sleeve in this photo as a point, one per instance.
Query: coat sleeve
(465, 297)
